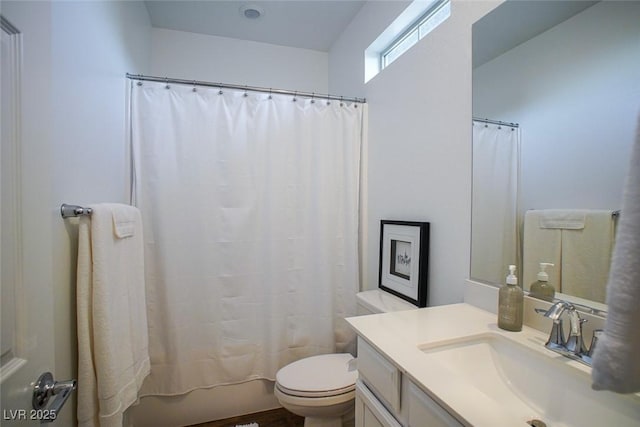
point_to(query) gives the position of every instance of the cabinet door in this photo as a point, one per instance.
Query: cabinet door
(369, 411)
(425, 412)
(379, 375)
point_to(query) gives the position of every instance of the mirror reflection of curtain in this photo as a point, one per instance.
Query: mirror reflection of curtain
(250, 206)
(495, 235)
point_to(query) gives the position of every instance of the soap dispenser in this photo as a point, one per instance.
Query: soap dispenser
(541, 288)
(510, 303)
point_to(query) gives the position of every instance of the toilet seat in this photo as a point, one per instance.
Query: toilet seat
(320, 376)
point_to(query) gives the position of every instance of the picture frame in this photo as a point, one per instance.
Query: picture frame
(404, 260)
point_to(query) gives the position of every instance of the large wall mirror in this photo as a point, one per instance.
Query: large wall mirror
(549, 188)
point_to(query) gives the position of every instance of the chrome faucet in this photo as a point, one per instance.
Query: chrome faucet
(573, 346)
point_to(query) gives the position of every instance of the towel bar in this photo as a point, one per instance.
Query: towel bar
(69, 211)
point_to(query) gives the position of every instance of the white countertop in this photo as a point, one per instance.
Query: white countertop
(398, 335)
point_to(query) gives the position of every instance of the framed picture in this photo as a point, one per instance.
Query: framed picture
(404, 260)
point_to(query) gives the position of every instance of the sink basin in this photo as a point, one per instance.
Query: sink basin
(529, 383)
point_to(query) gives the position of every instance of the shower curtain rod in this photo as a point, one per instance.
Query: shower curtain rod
(246, 88)
(496, 122)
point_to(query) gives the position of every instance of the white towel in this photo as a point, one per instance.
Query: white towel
(569, 219)
(578, 241)
(125, 221)
(616, 364)
(586, 255)
(113, 357)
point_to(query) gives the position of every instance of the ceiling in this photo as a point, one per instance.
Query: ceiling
(316, 24)
(516, 21)
(308, 24)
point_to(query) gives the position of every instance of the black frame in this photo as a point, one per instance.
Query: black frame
(423, 262)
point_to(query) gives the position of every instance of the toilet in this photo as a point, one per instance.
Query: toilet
(322, 388)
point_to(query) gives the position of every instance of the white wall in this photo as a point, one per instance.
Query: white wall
(419, 161)
(194, 56)
(575, 91)
(74, 147)
(93, 45)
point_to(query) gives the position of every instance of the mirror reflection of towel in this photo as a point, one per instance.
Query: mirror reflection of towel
(578, 241)
(586, 256)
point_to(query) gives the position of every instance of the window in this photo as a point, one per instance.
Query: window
(414, 23)
(420, 28)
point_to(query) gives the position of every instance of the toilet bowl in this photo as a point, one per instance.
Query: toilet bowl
(322, 388)
(319, 388)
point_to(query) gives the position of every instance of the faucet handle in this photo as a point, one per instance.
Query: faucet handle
(597, 334)
(575, 343)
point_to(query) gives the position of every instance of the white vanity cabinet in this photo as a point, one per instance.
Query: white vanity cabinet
(385, 397)
(370, 412)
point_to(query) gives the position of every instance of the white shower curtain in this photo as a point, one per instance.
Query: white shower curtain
(494, 228)
(250, 209)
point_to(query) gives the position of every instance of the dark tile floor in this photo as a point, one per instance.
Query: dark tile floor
(274, 418)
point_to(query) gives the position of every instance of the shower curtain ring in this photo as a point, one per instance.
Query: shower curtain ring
(295, 96)
(270, 97)
(194, 86)
(220, 90)
(313, 95)
(245, 91)
(166, 83)
(341, 103)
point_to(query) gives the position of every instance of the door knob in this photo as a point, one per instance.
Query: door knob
(44, 389)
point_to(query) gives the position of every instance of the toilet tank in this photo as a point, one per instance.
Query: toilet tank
(378, 301)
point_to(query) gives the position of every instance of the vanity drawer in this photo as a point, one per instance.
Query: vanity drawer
(425, 412)
(379, 374)
(369, 411)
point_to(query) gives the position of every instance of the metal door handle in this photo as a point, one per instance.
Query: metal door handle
(46, 387)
